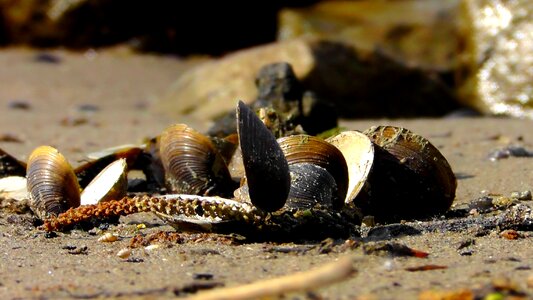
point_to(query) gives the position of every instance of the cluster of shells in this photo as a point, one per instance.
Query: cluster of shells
(387, 172)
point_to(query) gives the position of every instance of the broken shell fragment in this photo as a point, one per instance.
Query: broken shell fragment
(192, 164)
(265, 166)
(51, 181)
(358, 151)
(410, 178)
(14, 187)
(110, 184)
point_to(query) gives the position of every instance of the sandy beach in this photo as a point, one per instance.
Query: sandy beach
(82, 102)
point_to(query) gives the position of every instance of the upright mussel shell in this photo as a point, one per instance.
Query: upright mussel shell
(410, 178)
(51, 181)
(265, 166)
(192, 164)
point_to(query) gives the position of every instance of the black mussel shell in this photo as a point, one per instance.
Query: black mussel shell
(311, 185)
(266, 168)
(410, 178)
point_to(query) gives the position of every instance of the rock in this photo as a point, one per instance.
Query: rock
(497, 75)
(417, 33)
(283, 106)
(359, 83)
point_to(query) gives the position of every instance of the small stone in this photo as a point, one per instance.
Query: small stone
(88, 108)
(510, 234)
(19, 105)
(108, 238)
(124, 253)
(434, 295)
(152, 247)
(79, 251)
(524, 195)
(203, 276)
(530, 281)
(49, 58)
(134, 260)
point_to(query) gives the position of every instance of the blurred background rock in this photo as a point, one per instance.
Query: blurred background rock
(369, 58)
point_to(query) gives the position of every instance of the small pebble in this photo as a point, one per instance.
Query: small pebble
(524, 195)
(73, 121)
(510, 234)
(152, 247)
(50, 235)
(530, 280)
(509, 151)
(88, 108)
(10, 138)
(108, 238)
(124, 253)
(49, 58)
(82, 250)
(19, 104)
(203, 276)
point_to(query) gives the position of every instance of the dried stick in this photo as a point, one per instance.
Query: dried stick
(301, 281)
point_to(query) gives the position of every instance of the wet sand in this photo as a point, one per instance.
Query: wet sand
(88, 102)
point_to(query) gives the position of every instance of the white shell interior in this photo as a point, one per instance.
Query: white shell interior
(358, 151)
(14, 187)
(104, 182)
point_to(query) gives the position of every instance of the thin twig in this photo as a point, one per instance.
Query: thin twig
(301, 281)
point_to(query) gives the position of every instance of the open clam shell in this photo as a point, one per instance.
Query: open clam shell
(101, 159)
(309, 149)
(410, 178)
(110, 184)
(192, 164)
(358, 151)
(52, 184)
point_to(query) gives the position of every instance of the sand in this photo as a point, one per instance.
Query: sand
(94, 100)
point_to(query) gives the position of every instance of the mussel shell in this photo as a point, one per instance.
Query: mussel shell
(110, 184)
(265, 166)
(311, 185)
(52, 184)
(100, 160)
(410, 178)
(10, 166)
(191, 163)
(358, 151)
(309, 149)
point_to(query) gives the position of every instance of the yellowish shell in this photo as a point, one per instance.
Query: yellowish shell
(192, 165)
(52, 184)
